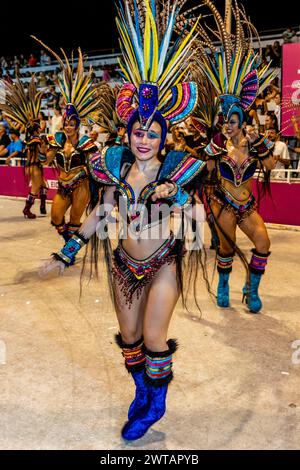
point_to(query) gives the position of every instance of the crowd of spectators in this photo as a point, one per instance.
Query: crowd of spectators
(12, 67)
(264, 117)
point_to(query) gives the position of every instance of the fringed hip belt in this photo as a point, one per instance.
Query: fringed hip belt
(132, 274)
(241, 211)
(65, 188)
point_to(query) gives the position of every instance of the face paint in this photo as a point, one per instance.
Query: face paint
(145, 145)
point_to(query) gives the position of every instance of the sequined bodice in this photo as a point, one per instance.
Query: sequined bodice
(237, 174)
(67, 163)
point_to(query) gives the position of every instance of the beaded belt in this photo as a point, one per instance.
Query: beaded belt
(141, 267)
(68, 187)
(133, 275)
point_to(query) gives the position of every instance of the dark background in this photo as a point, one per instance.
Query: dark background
(91, 25)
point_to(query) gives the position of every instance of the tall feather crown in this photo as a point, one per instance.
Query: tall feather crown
(105, 115)
(79, 94)
(154, 70)
(20, 105)
(233, 69)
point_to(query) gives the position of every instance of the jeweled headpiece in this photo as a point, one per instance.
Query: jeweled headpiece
(153, 70)
(20, 105)
(79, 93)
(233, 69)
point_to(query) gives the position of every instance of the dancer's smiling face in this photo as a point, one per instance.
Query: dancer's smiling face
(233, 126)
(70, 127)
(145, 144)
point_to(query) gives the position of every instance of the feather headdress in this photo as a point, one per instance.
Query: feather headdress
(233, 69)
(106, 115)
(79, 94)
(20, 105)
(154, 70)
(205, 114)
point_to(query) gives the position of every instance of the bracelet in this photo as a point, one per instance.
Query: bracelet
(180, 198)
(42, 158)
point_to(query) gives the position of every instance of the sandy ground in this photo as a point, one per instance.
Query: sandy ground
(62, 380)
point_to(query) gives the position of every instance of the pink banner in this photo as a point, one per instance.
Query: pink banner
(13, 181)
(282, 208)
(290, 87)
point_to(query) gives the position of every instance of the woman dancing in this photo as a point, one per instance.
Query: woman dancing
(237, 77)
(146, 266)
(24, 108)
(70, 151)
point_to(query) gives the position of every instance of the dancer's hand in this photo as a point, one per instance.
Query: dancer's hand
(252, 136)
(51, 266)
(164, 190)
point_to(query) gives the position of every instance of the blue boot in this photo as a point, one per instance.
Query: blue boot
(137, 428)
(257, 267)
(135, 364)
(250, 293)
(158, 375)
(223, 290)
(224, 265)
(142, 394)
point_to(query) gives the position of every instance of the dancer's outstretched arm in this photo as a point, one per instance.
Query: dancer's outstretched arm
(66, 256)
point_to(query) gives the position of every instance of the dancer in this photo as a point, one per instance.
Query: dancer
(146, 266)
(24, 109)
(70, 151)
(236, 75)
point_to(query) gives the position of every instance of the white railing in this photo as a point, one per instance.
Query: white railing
(95, 61)
(285, 175)
(282, 175)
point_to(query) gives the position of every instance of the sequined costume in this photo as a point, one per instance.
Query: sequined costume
(236, 75)
(143, 214)
(69, 151)
(154, 93)
(73, 168)
(229, 170)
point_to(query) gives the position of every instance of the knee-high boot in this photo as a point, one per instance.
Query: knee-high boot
(257, 267)
(29, 203)
(224, 266)
(158, 376)
(43, 198)
(135, 364)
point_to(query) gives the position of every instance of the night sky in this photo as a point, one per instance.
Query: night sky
(93, 27)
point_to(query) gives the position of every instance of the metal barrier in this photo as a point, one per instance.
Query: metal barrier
(284, 176)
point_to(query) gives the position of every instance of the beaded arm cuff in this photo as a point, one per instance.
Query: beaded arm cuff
(181, 197)
(263, 146)
(70, 250)
(42, 158)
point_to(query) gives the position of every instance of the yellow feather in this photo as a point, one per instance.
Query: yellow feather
(166, 89)
(246, 62)
(128, 48)
(147, 39)
(179, 98)
(154, 65)
(123, 70)
(184, 46)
